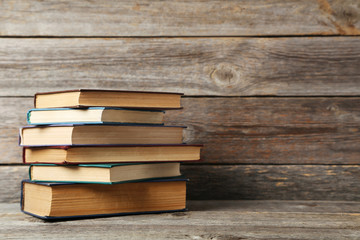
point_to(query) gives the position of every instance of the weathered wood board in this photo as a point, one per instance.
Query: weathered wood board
(196, 66)
(286, 182)
(272, 130)
(232, 182)
(272, 96)
(242, 130)
(270, 206)
(214, 220)
(179, 18)
(11, 177)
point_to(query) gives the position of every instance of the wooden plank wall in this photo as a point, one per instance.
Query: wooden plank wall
(272, 87)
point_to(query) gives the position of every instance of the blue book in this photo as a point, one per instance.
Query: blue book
(103, 173)
(58, 201)
(93, 115)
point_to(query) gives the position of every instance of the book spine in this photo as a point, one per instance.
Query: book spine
(30, 168)
(35, 96)
(28, 115)
(23, 156)
(22, 195)
(20, 133)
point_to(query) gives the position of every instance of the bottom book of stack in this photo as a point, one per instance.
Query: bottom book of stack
(54, 201)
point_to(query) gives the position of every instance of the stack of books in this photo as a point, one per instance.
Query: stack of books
(102, 153)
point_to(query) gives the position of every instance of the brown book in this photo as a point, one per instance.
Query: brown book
(103, 173)
(111, 154)
(61, 200)
(107, 98)
(58, 135)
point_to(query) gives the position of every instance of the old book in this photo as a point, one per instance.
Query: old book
(107, 98)
(103, 173)
(93, 115)
(111, 153)
(99, 134)
(79, 200)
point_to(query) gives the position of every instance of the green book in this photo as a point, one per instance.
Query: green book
(102, 173)
(93, 115)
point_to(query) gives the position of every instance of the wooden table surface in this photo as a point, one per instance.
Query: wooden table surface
(204, 220)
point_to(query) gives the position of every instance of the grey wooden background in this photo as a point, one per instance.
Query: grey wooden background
(272, 87)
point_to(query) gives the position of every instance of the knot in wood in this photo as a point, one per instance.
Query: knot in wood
(333, 107)
(225, 75)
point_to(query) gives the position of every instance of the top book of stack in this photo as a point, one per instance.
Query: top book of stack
(83, 98)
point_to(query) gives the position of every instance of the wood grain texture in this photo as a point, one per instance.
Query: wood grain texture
(179, 18)
(13, 116)
(272, 130)
(282, 182)
(196, 66)
(242, 130)
(11, 177)
(243, 221)
(272, 206)
(233, 182)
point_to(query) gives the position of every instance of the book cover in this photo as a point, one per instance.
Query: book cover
(28, 116)
(155, 170)
(104, 137)
(135, 95)
(70, 217)
(131, 149)
(106, 90)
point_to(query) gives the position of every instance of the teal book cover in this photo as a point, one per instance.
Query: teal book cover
(102, 173)
(85, 113)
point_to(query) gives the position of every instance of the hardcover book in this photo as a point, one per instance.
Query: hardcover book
(112, 153)
(93, 115)
(103, 173)
(55, 201)
(57, 135)
(108, 98)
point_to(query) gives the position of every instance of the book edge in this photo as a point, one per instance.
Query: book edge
(175, 179)
(110, 124)
(94, 108)
(122, 145)
(106, 183)
(49, 218)
(105, 90)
